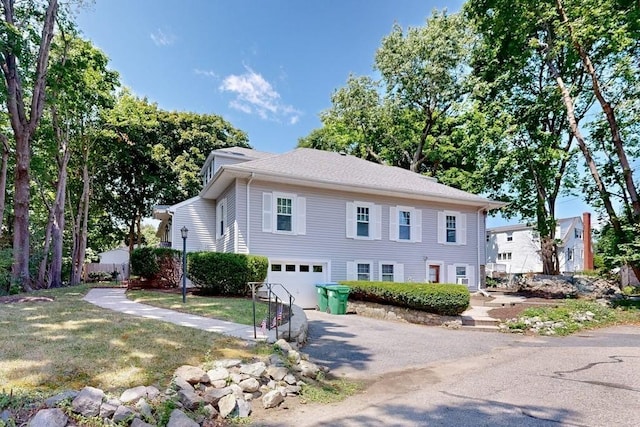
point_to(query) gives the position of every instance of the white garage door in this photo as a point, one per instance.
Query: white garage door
(299, 278)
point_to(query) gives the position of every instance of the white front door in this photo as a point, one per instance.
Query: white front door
(299, 278)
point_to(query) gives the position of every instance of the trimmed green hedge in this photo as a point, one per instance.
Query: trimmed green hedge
(436, 298)
(219, 273)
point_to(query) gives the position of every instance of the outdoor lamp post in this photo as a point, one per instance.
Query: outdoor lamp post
(184, 231)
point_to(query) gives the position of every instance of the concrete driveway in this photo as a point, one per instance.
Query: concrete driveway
(429, 376)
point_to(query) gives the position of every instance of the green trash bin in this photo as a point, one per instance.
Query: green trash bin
(323, 302)
(338, 296)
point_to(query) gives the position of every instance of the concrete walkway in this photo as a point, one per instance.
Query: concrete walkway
(115, 299)
(477, 315)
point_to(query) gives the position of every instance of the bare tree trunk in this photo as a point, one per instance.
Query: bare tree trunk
(132, 233)
(3, 178)
(22, 195)
(616, 138)
(42, 270)
(81, 225)
(24, 125)
(58, 209)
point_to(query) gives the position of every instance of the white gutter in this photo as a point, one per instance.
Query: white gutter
(248, 239)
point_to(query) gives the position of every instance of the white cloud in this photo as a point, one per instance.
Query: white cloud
(161, 38)
(206, 73)
(255, 95)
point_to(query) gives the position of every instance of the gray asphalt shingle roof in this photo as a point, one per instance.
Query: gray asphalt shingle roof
(244, 152)
(345, 170)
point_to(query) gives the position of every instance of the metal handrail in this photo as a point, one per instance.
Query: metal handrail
(254, 287)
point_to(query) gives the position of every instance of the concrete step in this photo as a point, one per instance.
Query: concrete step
(479, 321)
(481, 328)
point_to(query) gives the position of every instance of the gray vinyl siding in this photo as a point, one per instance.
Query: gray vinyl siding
(199, 218)
(241, 217)
(325, 237)
(226, 242)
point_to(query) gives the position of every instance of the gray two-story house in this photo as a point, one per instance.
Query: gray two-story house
(322, 216)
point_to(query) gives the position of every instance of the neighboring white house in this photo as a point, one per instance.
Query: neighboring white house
(322, 216)
(115, 256)
(516, 248)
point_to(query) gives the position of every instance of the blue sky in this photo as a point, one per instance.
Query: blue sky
(267, 66)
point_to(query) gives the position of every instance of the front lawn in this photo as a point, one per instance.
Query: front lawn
(68, 343)
(237, 310)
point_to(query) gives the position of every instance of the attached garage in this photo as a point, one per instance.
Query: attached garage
(299, 278)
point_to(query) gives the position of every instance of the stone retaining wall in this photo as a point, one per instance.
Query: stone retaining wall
(390, 312)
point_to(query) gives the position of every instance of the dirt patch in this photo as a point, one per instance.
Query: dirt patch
(19, 299)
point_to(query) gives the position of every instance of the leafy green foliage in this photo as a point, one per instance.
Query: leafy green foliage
(415, 117)
(161, 265)
(144, 262)
(442, 299)
(221, 273)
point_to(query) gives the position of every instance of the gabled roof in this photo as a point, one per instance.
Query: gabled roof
(245, 154)
(316, 168)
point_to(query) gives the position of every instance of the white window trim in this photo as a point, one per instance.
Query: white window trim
(461, 228)
(352, 269)
(415, 226)
(221, 210)
(270, 213)
(375, 220)
(398, 270)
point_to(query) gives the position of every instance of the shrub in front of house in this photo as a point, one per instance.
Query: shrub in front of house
(444, 299)
(160, 266)
(219, 273)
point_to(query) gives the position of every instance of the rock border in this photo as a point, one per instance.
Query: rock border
(223, 389)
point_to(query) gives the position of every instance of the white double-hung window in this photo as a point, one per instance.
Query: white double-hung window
(390, 271)
(405, 224)
(284, 213)
(360, 270)
(364, 221)
(452, 228)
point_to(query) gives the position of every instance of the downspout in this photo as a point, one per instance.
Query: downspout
(249, 210)
(481, 241)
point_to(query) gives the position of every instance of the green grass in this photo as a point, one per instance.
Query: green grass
(237, 310)
(329, 391)
(69, 343)
(567, 311)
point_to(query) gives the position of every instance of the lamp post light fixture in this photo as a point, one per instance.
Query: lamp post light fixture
(185, 232)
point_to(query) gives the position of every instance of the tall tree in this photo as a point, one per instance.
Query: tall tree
(424, 70)
(415, 116)
(80, 87)
(602, 36)
(149, 156)
(25, 106)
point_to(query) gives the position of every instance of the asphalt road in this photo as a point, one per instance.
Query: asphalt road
(430, 376)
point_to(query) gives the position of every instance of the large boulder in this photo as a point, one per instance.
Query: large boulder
(560, 287)
(543, 286)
